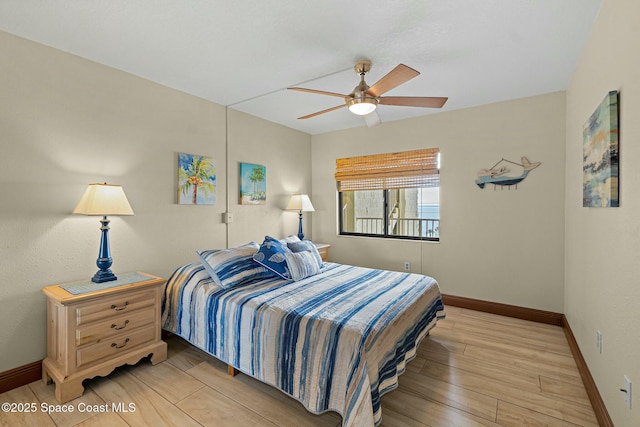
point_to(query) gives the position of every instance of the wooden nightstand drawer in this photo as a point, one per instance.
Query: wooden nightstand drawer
(109, 307)
(124, 322)
(108, 348)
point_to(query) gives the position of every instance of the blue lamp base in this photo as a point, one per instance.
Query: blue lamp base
(300, 234)
(103, 276)
(104, 260)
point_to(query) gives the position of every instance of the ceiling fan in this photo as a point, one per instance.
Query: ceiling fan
(364, 99)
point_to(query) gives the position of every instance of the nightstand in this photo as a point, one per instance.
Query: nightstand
(323, 249)
(92, 328)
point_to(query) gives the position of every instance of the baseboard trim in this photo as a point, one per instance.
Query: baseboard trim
(17, 377)
(535, 315)
(589, 384)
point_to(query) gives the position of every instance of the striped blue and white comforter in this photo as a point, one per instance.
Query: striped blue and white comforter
(335, 341)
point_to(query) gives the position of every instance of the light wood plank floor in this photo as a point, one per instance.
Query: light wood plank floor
(474, 369)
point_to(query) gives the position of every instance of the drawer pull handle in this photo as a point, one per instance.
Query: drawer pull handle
(120, 346)
(117, 328)
(122, 307)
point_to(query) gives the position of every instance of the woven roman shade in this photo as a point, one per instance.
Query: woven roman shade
(407, 169)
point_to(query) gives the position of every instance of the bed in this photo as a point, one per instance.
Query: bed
(336, 339)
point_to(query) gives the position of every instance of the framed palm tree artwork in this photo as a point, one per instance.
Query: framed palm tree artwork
(196, 180)
(253, 184)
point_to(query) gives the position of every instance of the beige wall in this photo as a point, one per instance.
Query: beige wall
(66, 122)
(602, 286)
(504, 245)
(286, 153)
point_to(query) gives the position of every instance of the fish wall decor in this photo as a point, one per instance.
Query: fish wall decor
(498, 174)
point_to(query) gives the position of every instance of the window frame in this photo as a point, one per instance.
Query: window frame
(403, 170)
(341, 231)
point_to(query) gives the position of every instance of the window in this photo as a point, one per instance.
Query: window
(394, 195)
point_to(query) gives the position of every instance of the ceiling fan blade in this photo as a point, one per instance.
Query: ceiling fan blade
(395, 78)
(372, 119)
(413, 101)
(308, 116)
(319, 92)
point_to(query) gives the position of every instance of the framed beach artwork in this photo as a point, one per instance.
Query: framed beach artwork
(253, 184)
(196, 180)
(600, 155)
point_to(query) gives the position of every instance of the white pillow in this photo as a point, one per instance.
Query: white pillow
(289, 238)
(308, 246)
(301, 264)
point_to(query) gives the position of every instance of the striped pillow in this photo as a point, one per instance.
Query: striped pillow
(233, 266)
(301, 264)
(308, 246)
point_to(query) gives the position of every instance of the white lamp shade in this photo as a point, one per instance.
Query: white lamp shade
(300, 202)
(103, 199)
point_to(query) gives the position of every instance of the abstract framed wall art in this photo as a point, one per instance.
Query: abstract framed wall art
(253, 184)
(600, 165)
(196, 180)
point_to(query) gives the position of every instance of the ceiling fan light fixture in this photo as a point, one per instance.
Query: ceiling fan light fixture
(364, 99)
(362, 106)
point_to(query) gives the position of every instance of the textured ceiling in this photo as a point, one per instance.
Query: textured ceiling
(243, 54)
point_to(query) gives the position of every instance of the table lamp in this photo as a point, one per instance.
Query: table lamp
(103, 200)
(300, 203)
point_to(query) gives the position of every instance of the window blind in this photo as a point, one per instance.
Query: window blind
(406, 169)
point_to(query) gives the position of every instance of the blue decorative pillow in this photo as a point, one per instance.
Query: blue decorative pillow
(271, 255)
(306, 246)
(301, 264)
(233, 266)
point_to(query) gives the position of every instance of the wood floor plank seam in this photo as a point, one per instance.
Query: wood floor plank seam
(471, 390)
(508, 348)
(565, 422)
(412, 391)
(581, 399)
(540, 382)
(518, 378)
(542, 337)
(190, 395)
(462, 410)
(525, 343)
(566, 374)
(511, 394)
(230, 397)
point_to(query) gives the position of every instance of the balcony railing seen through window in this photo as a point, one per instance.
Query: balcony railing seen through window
(409, 227)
